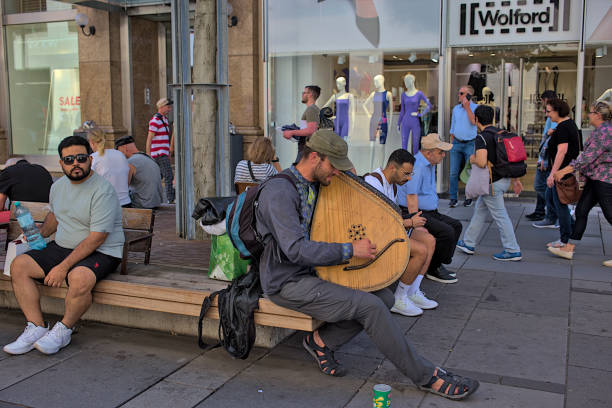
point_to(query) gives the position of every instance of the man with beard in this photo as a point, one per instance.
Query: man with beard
(284, 214)
(86, 219)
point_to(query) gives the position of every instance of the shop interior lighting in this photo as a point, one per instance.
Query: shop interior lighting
(601, 51)
(434, 56)
(412, 57)
(82, 20)
(492, 54)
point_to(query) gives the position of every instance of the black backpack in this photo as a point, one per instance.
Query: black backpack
(510, 155)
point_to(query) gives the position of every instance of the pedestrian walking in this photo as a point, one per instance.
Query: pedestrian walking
(595, 164)
(160, 144)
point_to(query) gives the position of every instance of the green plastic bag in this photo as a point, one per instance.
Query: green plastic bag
(225, 262)
(465, 173)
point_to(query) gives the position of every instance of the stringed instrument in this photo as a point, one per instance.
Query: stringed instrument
(349, 209)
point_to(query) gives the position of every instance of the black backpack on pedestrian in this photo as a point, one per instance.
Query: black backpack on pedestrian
(510, 155)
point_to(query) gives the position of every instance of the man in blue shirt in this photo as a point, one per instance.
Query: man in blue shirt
(544, 214)
(419, 194)
(462, 135)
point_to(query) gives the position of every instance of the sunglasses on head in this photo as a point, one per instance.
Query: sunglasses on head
(80, 158)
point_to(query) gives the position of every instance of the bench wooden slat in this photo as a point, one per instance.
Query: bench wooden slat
(176, 301)
(137, 219)
(38, 210)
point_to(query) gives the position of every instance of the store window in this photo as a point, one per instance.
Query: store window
(597, 78)
(363, 61)
(43, 77)
(511, 79)
(33, 6)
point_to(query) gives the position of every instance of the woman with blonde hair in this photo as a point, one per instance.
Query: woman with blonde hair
(111, 164)
(262, 163)
(595, 164)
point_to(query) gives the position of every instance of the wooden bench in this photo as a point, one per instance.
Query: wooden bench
(138, 292)
(137, 226)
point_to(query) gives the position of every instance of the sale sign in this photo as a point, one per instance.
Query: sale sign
(64, 107)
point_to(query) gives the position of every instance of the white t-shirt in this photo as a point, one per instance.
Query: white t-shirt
(114, 167)
(385, 188)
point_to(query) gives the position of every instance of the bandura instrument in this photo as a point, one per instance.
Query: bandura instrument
(349, 209)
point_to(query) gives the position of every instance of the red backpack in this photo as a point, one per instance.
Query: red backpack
(510, 154)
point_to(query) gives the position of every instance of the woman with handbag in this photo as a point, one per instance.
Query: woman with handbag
(563, 147)
(595, 164)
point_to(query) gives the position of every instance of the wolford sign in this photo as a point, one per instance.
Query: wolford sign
(513, 21)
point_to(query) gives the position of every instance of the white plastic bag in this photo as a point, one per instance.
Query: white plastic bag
(16, 247)
(215, 229)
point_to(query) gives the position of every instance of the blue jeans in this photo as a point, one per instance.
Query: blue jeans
(459, 154)
(545, 193)
(551, 210)
(494, 204)
(566, 222)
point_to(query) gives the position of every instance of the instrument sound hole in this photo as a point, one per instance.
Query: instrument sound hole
(357, 232)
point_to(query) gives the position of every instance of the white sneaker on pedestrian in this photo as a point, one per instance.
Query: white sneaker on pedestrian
(59, 336)
(403, 305)
(25, 342)
(422, 302)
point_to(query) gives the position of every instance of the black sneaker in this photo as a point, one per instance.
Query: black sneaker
(441, 275)
(467, 202)
(444, 270)
(535, 216)
(452, 203)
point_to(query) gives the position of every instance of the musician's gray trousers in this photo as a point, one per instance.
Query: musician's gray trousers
(349, 311)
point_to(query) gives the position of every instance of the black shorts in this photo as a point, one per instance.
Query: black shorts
(100, 264)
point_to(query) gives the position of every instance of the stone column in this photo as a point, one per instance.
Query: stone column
(100, 73)
(244, 76)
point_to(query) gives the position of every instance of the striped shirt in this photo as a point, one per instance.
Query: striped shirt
(160, 144)
(261, 171)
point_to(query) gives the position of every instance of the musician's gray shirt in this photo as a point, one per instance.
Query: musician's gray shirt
(289, 254)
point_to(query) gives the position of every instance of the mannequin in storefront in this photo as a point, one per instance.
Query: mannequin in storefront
(345, 108)
(606, 96)
(409, 121)
(488, 99)
(382, 103)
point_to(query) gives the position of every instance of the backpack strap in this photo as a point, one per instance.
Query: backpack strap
(379, 178)
(255, 180)
(206, 304)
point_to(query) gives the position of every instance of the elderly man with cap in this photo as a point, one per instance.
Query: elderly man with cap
(23, 181)
(145, 183)
(420, 194)
(160, 144)
(284, 216)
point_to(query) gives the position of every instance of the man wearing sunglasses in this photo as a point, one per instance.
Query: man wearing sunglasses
(86, 219)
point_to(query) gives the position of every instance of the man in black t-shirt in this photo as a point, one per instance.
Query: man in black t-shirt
(485, 151)
(23, 181)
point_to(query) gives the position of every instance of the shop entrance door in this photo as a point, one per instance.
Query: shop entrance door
(511, 81)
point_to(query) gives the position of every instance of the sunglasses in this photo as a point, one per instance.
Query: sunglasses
(80, 158)
(461, 93)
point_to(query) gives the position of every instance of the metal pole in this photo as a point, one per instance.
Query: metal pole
(181, 73)
(223, 170)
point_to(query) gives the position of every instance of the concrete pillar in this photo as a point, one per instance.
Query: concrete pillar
(244, 66)
(100, 73)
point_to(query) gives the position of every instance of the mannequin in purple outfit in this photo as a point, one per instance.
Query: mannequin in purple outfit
(344, 109)
(408, 121)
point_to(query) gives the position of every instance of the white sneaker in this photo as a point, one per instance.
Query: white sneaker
(54, 340)
(25, 342)
(404, 306)
(421, 301)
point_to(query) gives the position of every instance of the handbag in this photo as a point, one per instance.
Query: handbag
(16, 247)
(568, 189)
(480, 178)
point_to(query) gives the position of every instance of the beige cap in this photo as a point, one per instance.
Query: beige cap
(432, 141)
(163, 102)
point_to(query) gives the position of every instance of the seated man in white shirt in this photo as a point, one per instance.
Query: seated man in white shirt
(409, 299)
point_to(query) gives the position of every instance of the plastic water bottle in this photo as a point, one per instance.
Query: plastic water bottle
(30, 230)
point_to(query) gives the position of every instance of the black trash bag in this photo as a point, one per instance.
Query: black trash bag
(211, 209)
(237, 304)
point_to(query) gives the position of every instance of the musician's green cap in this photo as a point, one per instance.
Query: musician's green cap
(326, 142)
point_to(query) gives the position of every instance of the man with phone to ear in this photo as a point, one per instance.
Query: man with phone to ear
(462, 134)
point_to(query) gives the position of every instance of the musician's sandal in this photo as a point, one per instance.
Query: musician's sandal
(324, 357)
(448, 385)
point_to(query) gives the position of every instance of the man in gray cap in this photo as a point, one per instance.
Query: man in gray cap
(145, 184)
(288, 278)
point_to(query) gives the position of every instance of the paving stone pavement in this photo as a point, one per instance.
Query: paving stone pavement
(536, 333)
